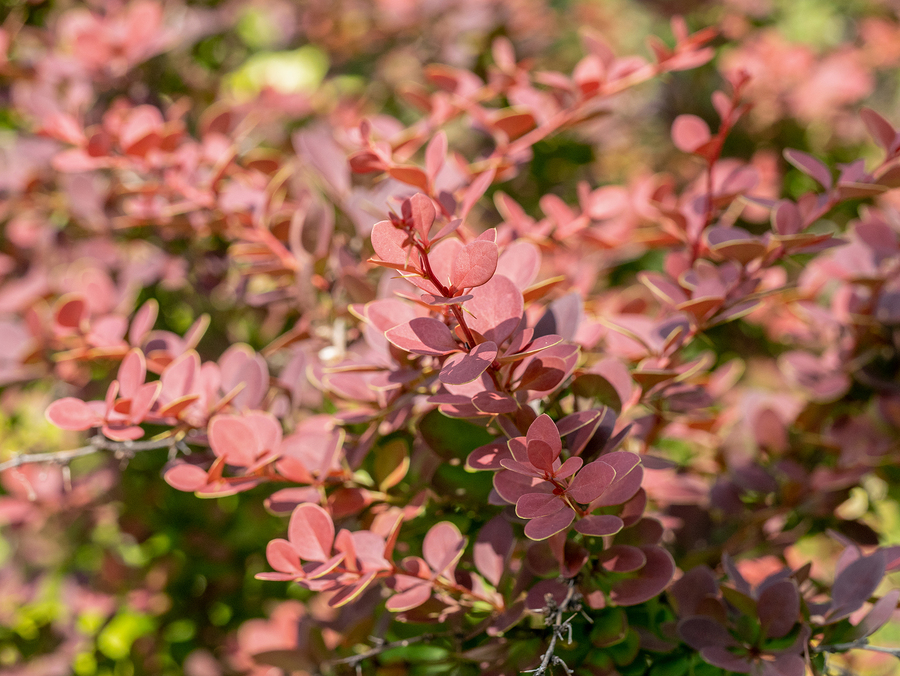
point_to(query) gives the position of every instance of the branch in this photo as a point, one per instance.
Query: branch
(861, 644)
(560, 627)
(357, 659)
(121, 449)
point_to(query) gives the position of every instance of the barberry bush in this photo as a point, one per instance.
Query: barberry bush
(490, 337)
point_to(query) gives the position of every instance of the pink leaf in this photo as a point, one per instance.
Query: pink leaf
(143, 322)
(459, 370)
(70, 413)
(185, 477)
(390, 243)
(496, 309)
(233, 439)
(143, 401)
(132, 373)
(311, 532)
(544, 429)
(689, 133)
(435, 153)
(282, 556)
(881, 130)
(474, 192)
(474, 265)
(413, 597)
(423, 335)
(541, 455)
(423, 214)
(492, 549)
(442, 547)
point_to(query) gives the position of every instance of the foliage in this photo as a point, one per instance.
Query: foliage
(490, 344)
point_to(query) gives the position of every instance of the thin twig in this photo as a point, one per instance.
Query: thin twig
(359, 658)
(562, 629)
(121, 449)
(861, 644)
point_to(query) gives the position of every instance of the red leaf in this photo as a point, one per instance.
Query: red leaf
(311, 532)
(410, 175)
(462, 369)
(70, 413)
(71, 311)
(544, 429)
(475, 265)
(423, 335)
(474, 192)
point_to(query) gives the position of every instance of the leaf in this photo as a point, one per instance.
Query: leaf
(856, 583)
(391, 464)
(879, 128)
(778, 608)
(475, 190)
(545, 430)
(71, 311)
(591, 482)
(701, 632)
(423, 214)
(233, 439)
(442, 547)
(496, 309)
(544, 526)
(311, 532)
(186, 477)
(143, 322)
(535, 505)
(623, 558)
(690, 133)
(493, 547)
(882, 611)
(452, 438)
(70, 413)
(597, 388)
(413, 597)
(809, 165)
(475, 265)
(423, 335)
(599, 525)
(410, 175)
(462, 369)
(390, 243)
(651, 580)
(435, 154)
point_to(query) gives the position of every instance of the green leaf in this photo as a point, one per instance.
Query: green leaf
(452, 438)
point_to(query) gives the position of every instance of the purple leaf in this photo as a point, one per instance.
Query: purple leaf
(856, 583)
(599, 525)
(591, 481)
(544, 526)
(423, 335)
(651, 580)
(535, 505)
(778, 607)
(809, 165)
